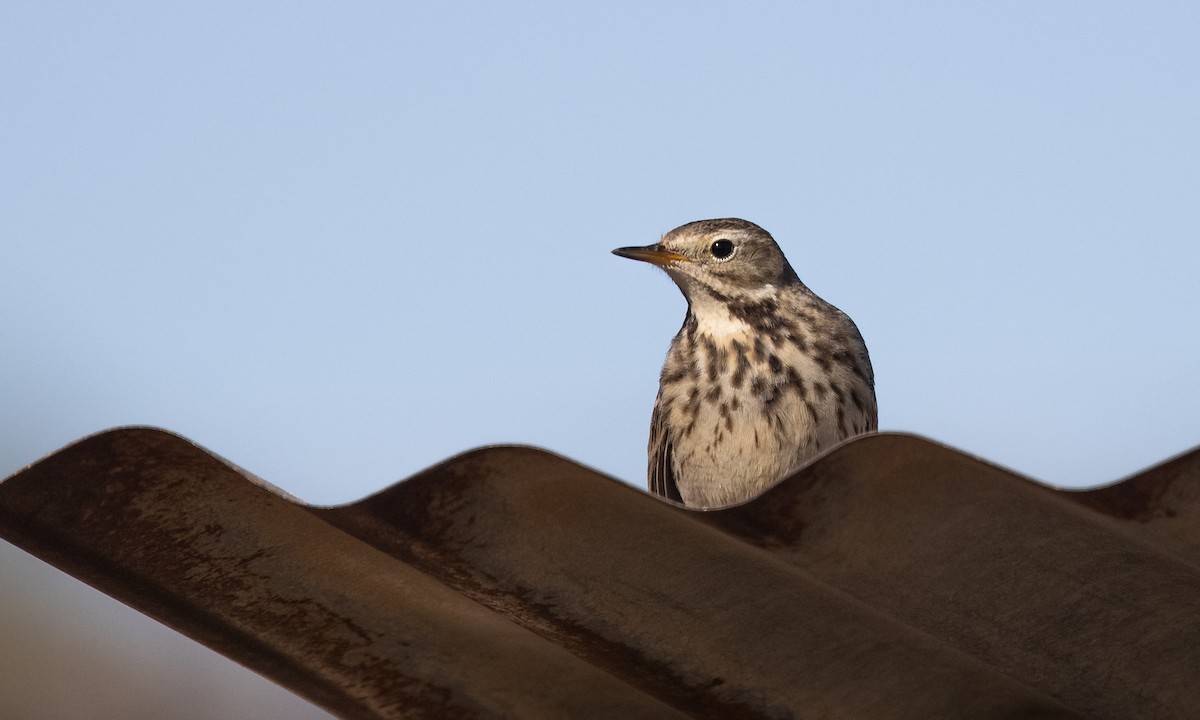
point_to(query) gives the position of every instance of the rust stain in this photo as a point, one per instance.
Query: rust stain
(892, 578)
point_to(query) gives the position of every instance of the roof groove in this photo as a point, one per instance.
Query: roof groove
(891, 578)
(550, 617)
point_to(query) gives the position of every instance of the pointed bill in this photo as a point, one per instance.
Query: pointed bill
(654, 254)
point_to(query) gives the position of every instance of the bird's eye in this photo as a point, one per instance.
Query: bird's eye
(722, 249)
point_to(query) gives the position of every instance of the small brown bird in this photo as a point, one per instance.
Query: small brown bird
(761, 377)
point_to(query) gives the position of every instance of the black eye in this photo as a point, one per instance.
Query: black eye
(722, 249)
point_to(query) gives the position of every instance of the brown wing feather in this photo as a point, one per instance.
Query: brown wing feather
(661, 475)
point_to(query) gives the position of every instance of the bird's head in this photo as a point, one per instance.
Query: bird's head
(721, 258)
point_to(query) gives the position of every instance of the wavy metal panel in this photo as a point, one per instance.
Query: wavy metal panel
(892, 578)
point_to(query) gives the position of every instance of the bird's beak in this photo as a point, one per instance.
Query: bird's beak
(654, 254)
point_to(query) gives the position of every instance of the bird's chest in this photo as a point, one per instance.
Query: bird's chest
(741, 408)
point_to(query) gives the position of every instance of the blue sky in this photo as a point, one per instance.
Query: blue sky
(337, 244)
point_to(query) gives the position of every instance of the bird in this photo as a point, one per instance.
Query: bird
(762, 376)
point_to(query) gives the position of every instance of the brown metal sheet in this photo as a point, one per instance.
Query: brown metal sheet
(893, 578)
(1162, 504)
(1073, 603)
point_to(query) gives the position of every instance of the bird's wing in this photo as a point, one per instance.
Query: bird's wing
(661, 475)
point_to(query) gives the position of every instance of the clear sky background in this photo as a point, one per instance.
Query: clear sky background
(338, 243)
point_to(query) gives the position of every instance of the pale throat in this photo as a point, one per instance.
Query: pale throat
(714, 319)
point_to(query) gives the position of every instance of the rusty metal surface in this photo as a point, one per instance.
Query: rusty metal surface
(892, 578)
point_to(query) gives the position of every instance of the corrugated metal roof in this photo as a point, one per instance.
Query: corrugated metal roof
(892, 578)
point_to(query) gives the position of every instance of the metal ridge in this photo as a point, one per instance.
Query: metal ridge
(891, 578)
